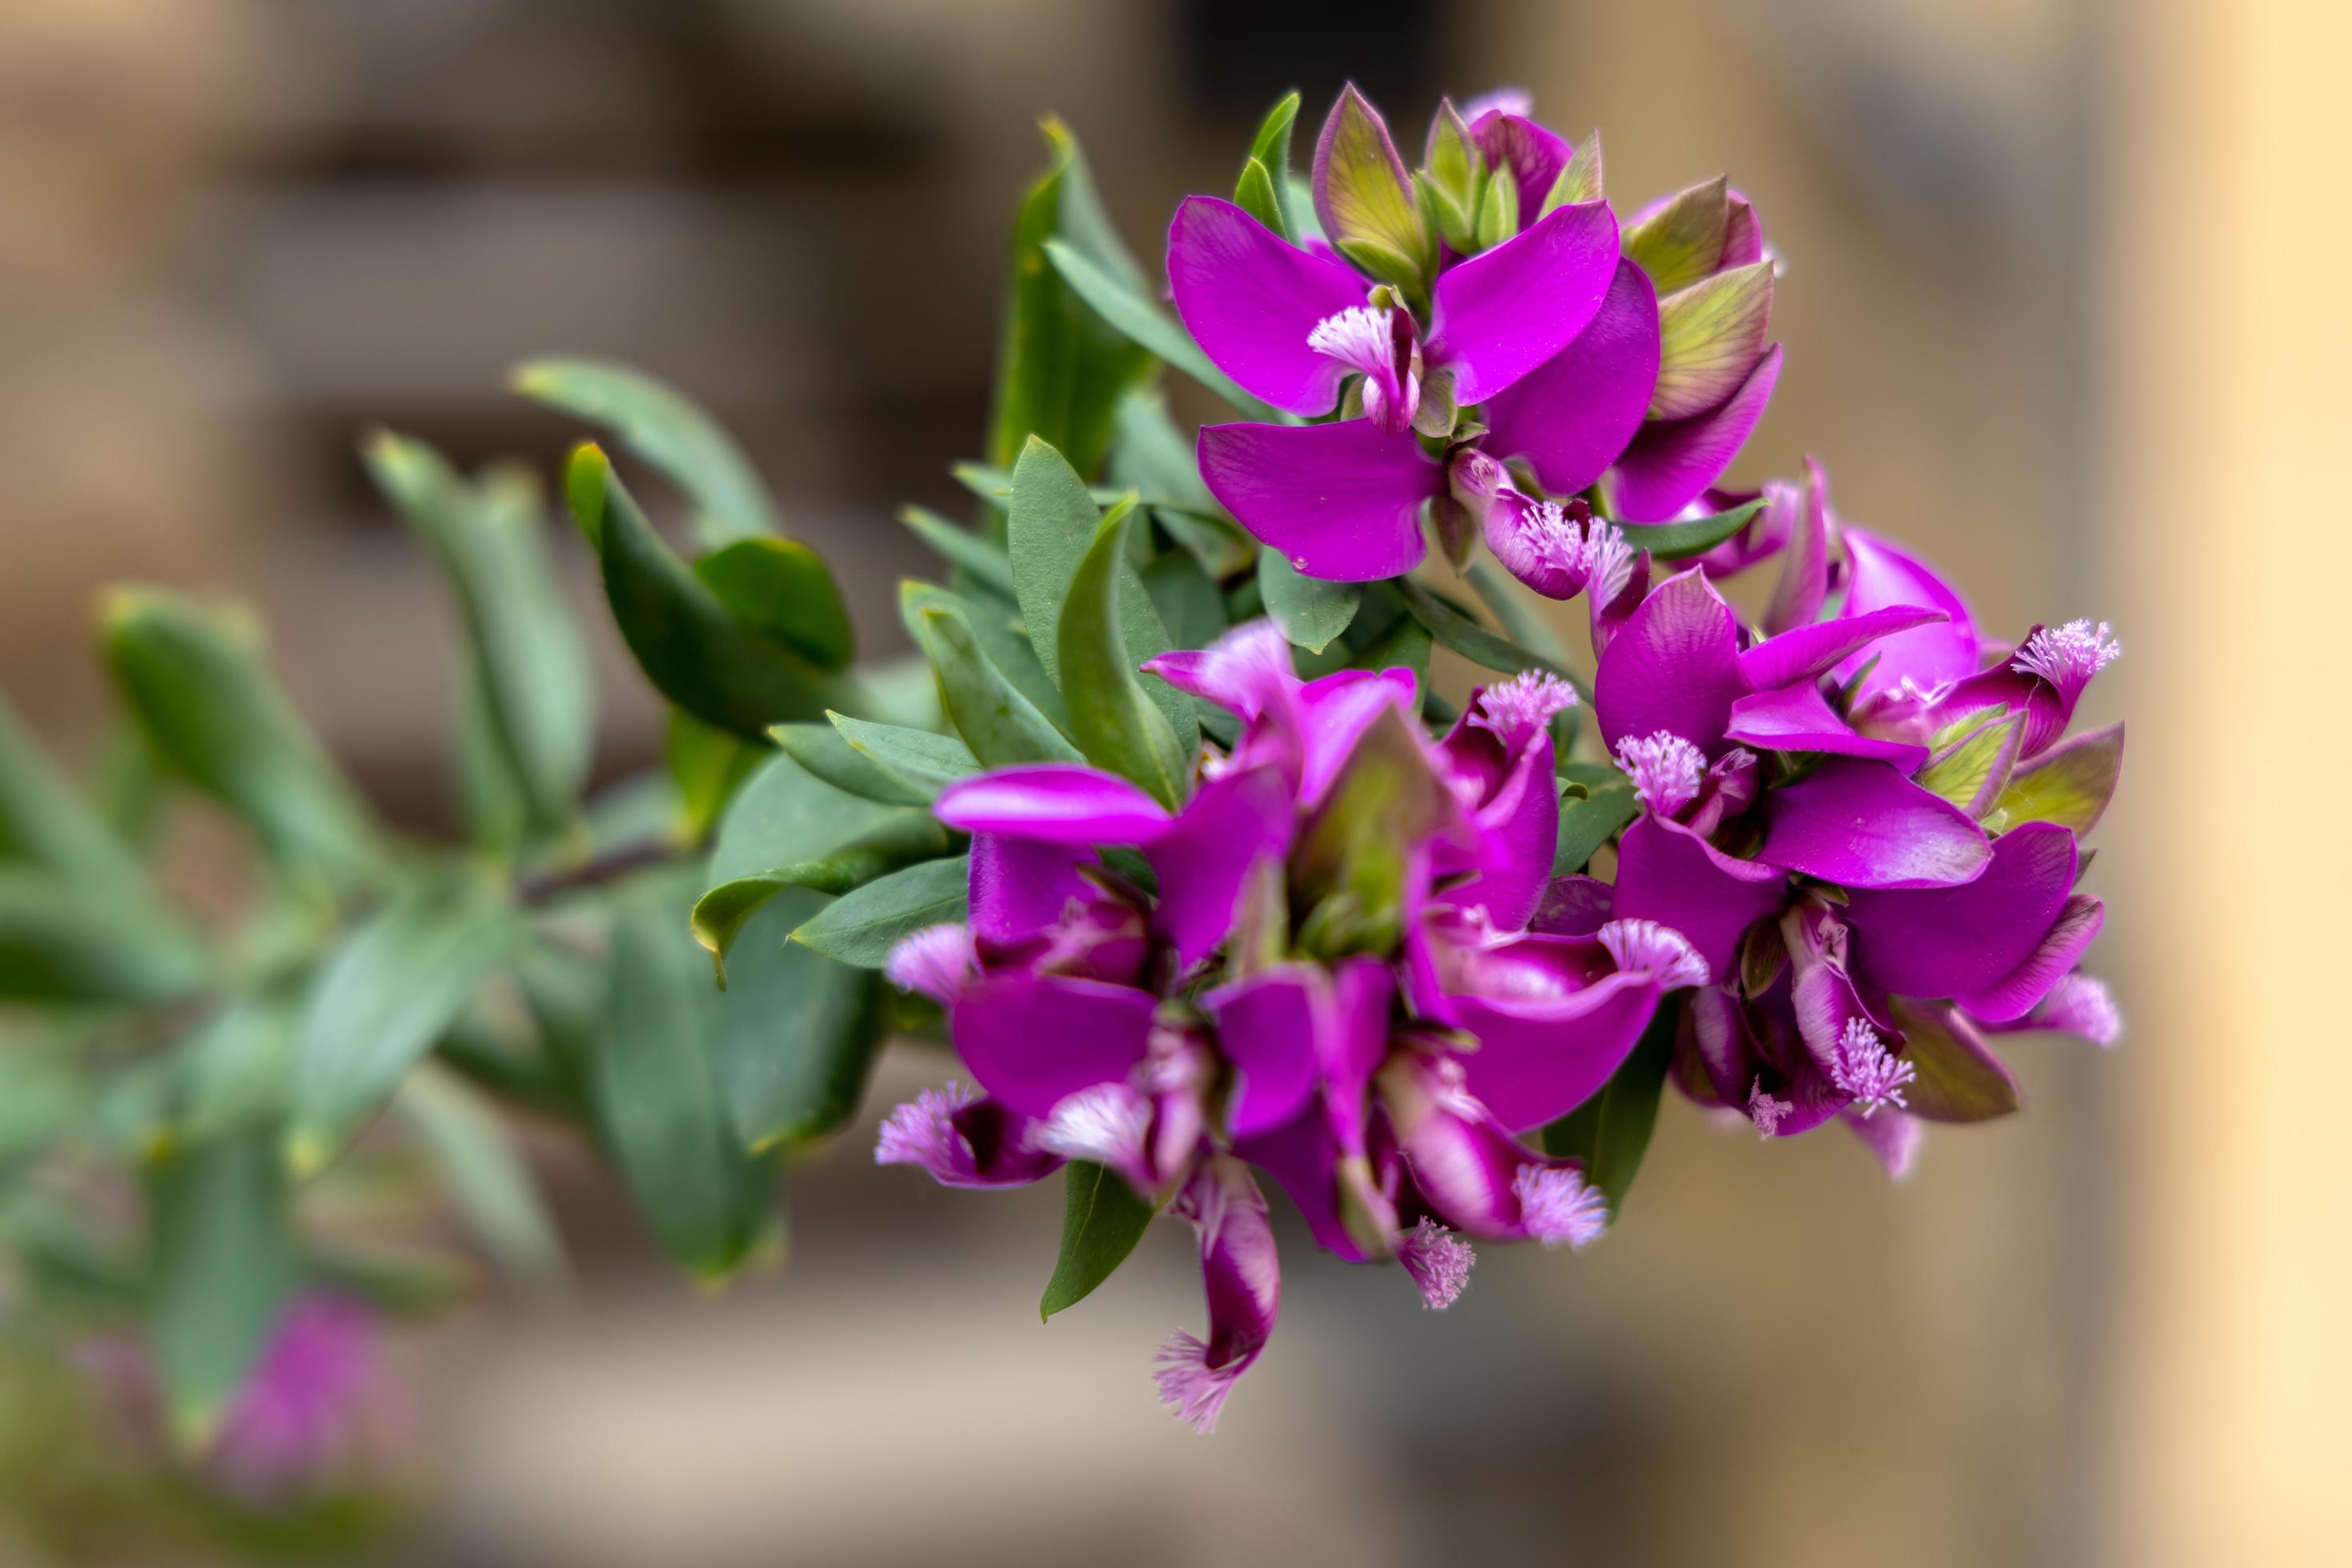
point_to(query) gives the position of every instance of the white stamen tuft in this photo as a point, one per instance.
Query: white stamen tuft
(1104, 1123)
(1523, 703)
(935, 961)
(1766, 1111)
(1189, 1386)
(1665, 770)
(1557, 1206)
(1864, 1069)
(2068, 655)
(1664, 951)
(1607, 563)
(1438, 1260)
(1358, 337)
(922, 1132)
(2082, 1004)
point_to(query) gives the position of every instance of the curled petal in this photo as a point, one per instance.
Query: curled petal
(2052, 959)
(1054, 803)
(1540, 1058)
(1860, 824)
(1242, 1280)
(1804, 582)
(1340, 501)
(1675, 667)
(1799, 718)
(1246, 671)
(1669, 873)
(962, 1140)
(1671, 461)
(1020, 887)
(1948, 942)
(1503, 312)
(1536, 153)
(1252, 300)
(1205, 860)
(1880, 577)
(1891, 1137)
(1033, 1040)
(1268, 1026)
(1808, 652)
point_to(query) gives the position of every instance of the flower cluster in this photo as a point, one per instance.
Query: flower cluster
(1373, 963)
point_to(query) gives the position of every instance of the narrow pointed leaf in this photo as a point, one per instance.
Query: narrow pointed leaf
(1115, 724)
(860, 928)
(984, 558)
(65, 942)
(221, 1267)
(486, 1176)
(782, 587)
(1590, 821)
(1271, 150)
(1002, 726)
(1476, 642)
(798, 1031)
(1102, 1219)
(917, 758)
(825, 753)
(657, 423)
(1694, 536)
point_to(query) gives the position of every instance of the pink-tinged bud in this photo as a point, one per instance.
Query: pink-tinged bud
(935, 961)
(1557, 1206)
(1665, 770)
(1867, 1070)
(1660, 950)
(1438, 1262)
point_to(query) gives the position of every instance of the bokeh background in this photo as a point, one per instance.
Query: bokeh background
(2061, 309)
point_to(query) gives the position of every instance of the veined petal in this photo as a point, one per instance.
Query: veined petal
(1536, 153)
(1242, 1280)
(1572, 415)
(1808, 652)
(1055, 803)
(2061, 947)
(1361, 189)
(1340, 501)
(1251, 299)
(1205, 861)
(1710, 335)
(1668, 874)
(1671, 461)
(1539, 1060)
(1020, 885)
(1948, 942)
(1804, 584)
(1503, 312)
(1860, 824)
(1268, 1026)
(1335, 711)
(1799, 718)
(1476, 1177)
(1031, 1041)
(1878, 577)
(1675, 667)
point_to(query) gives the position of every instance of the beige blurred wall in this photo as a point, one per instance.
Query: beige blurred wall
(2228, 359)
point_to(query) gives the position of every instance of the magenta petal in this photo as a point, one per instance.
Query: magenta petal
(1879, 576)
(1675, 667)
(1572, 415)
(2021, 990)
(1020, 885)
(1671, 461)
(1891, 1137)
(1340, 501)
(1518, 829)
(1668, 874)
(1242, 1280)
(1805, 570)
(1860, 824)
(1250, 298)
(1247, 670)
(1799, 718)
(1948, 942)
(1301, 1157)
(1335, 711)
(962, 1140)
(1054, 803)
(1810, 652)
(1539, 1060)
(1536, 153)
(1269, 1027)
(1029, 1040)
(1503, 312)
(1205, 861)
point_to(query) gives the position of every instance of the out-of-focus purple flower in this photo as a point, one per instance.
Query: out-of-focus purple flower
(319, 1412)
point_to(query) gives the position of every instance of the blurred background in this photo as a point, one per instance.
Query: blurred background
(2056, 313)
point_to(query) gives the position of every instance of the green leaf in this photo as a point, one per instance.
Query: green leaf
(1610, 1132)
(787, 813)
(530, 665)
(660, 425)
(1102, 1219)
(1050, 526)
(1710, 336)
(66, 941)
(1682, 242)
(1498, 208)
(1254, 193)
(1406, 645)
(860, 928)
(400, 978)
(1588, 822)
(917, 758)
(194, 679)
(782, 587)
(221, 1266)
(236, 1070)
(655, 1082)
(1476, 642)
(1187, 603)
(46, 821)
(984, 558)
(690, 646)
(1158, 334)
(709, 766)
(1579, 178)
(1001, 639)
(485, 1175)
(1060, 367)
(2069, 784)
(908, 834)
(1675, 541)
(1151, 456)
(824, 752)
(1116, 725)
(1310, 611)
(1000, 725)
(798, 1031)
(1505, 597)
(1270, 149)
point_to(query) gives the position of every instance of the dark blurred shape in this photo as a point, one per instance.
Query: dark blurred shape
(1239, 56)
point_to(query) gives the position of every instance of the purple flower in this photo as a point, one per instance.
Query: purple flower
(1337, 976)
